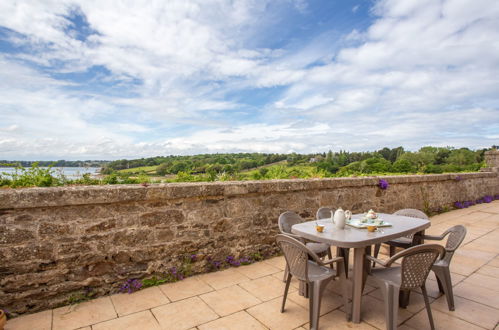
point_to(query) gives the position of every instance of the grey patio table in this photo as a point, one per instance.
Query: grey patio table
(360, 240)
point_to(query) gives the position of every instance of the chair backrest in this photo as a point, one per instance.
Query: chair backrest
(324, 213)
(287, 220)
(296, 255)
(456, 237)
(417, 263)
(413, 213)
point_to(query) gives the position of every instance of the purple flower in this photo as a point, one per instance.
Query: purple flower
(232, 261)
(496, 197)
(244, 261)
(488, 199)
(458, 178)
(479, 201)
(131, 285)
(193, 257)
(383, 184)
(458, 205)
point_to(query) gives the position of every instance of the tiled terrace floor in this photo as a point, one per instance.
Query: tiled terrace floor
(249, 297)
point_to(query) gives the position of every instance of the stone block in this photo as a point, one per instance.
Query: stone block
(9, 235)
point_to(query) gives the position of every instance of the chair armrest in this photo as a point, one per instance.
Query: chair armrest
(301, 239)
(435, 238)
(378, 261)
(330, 261)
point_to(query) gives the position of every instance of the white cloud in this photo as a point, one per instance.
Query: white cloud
(424, 72)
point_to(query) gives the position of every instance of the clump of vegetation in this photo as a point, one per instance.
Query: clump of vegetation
(256, 166)
(33, 176)
(81, 296)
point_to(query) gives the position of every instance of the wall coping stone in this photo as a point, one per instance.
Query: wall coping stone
(106, 194)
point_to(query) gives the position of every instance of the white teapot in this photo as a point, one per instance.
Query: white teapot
(340, 218)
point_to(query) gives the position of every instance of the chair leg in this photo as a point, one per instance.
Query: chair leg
(404, 297)
(288, 281)
(443, 276)
(311, 297)
(392, 251)
(391, 298)
(427, 304)
(376, 252)
(440, 286)
(285, 274)
(317, 289)
(345, 253)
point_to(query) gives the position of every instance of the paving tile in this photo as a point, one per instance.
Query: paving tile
(442, 321)
(138, 321)
(494, 262)
(183, 314)
(455, 278)
(405, 327)
(469, 311)
(467, 261)
(373, 312)
(269, 314)
(189, 287)
(337, 320)
(431, 289)
(278, 262)
(478, 294)
(337, 287)
(329, 302)
(477, 216)
(138, 301)
(84, 314)
(222, 279)
(294, 282)
(489, 271)
(484, 244)
(488, 282)
(240, 320)
(229, 300)
(266, 288)
(416, 302)
(40, 321)
(259, 269)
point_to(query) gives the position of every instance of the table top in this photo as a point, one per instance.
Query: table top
(351, 237)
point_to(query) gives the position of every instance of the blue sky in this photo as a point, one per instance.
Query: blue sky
(108, 80)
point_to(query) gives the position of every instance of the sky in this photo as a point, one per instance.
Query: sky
(129, 79)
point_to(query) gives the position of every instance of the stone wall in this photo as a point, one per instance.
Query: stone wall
(492, 160)
(57, 241)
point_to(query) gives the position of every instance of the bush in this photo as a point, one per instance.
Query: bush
(34, 176)
(403, 166)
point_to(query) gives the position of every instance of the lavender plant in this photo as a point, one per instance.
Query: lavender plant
(383, 184)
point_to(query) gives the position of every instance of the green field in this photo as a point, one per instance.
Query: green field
(151, 170)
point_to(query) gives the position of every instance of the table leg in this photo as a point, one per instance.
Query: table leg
(343, 252)
(358, 274)
(418, 238)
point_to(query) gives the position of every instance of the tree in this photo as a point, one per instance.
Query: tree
(403, 166)
(329, 157)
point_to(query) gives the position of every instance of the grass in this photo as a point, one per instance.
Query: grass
(141, 169)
